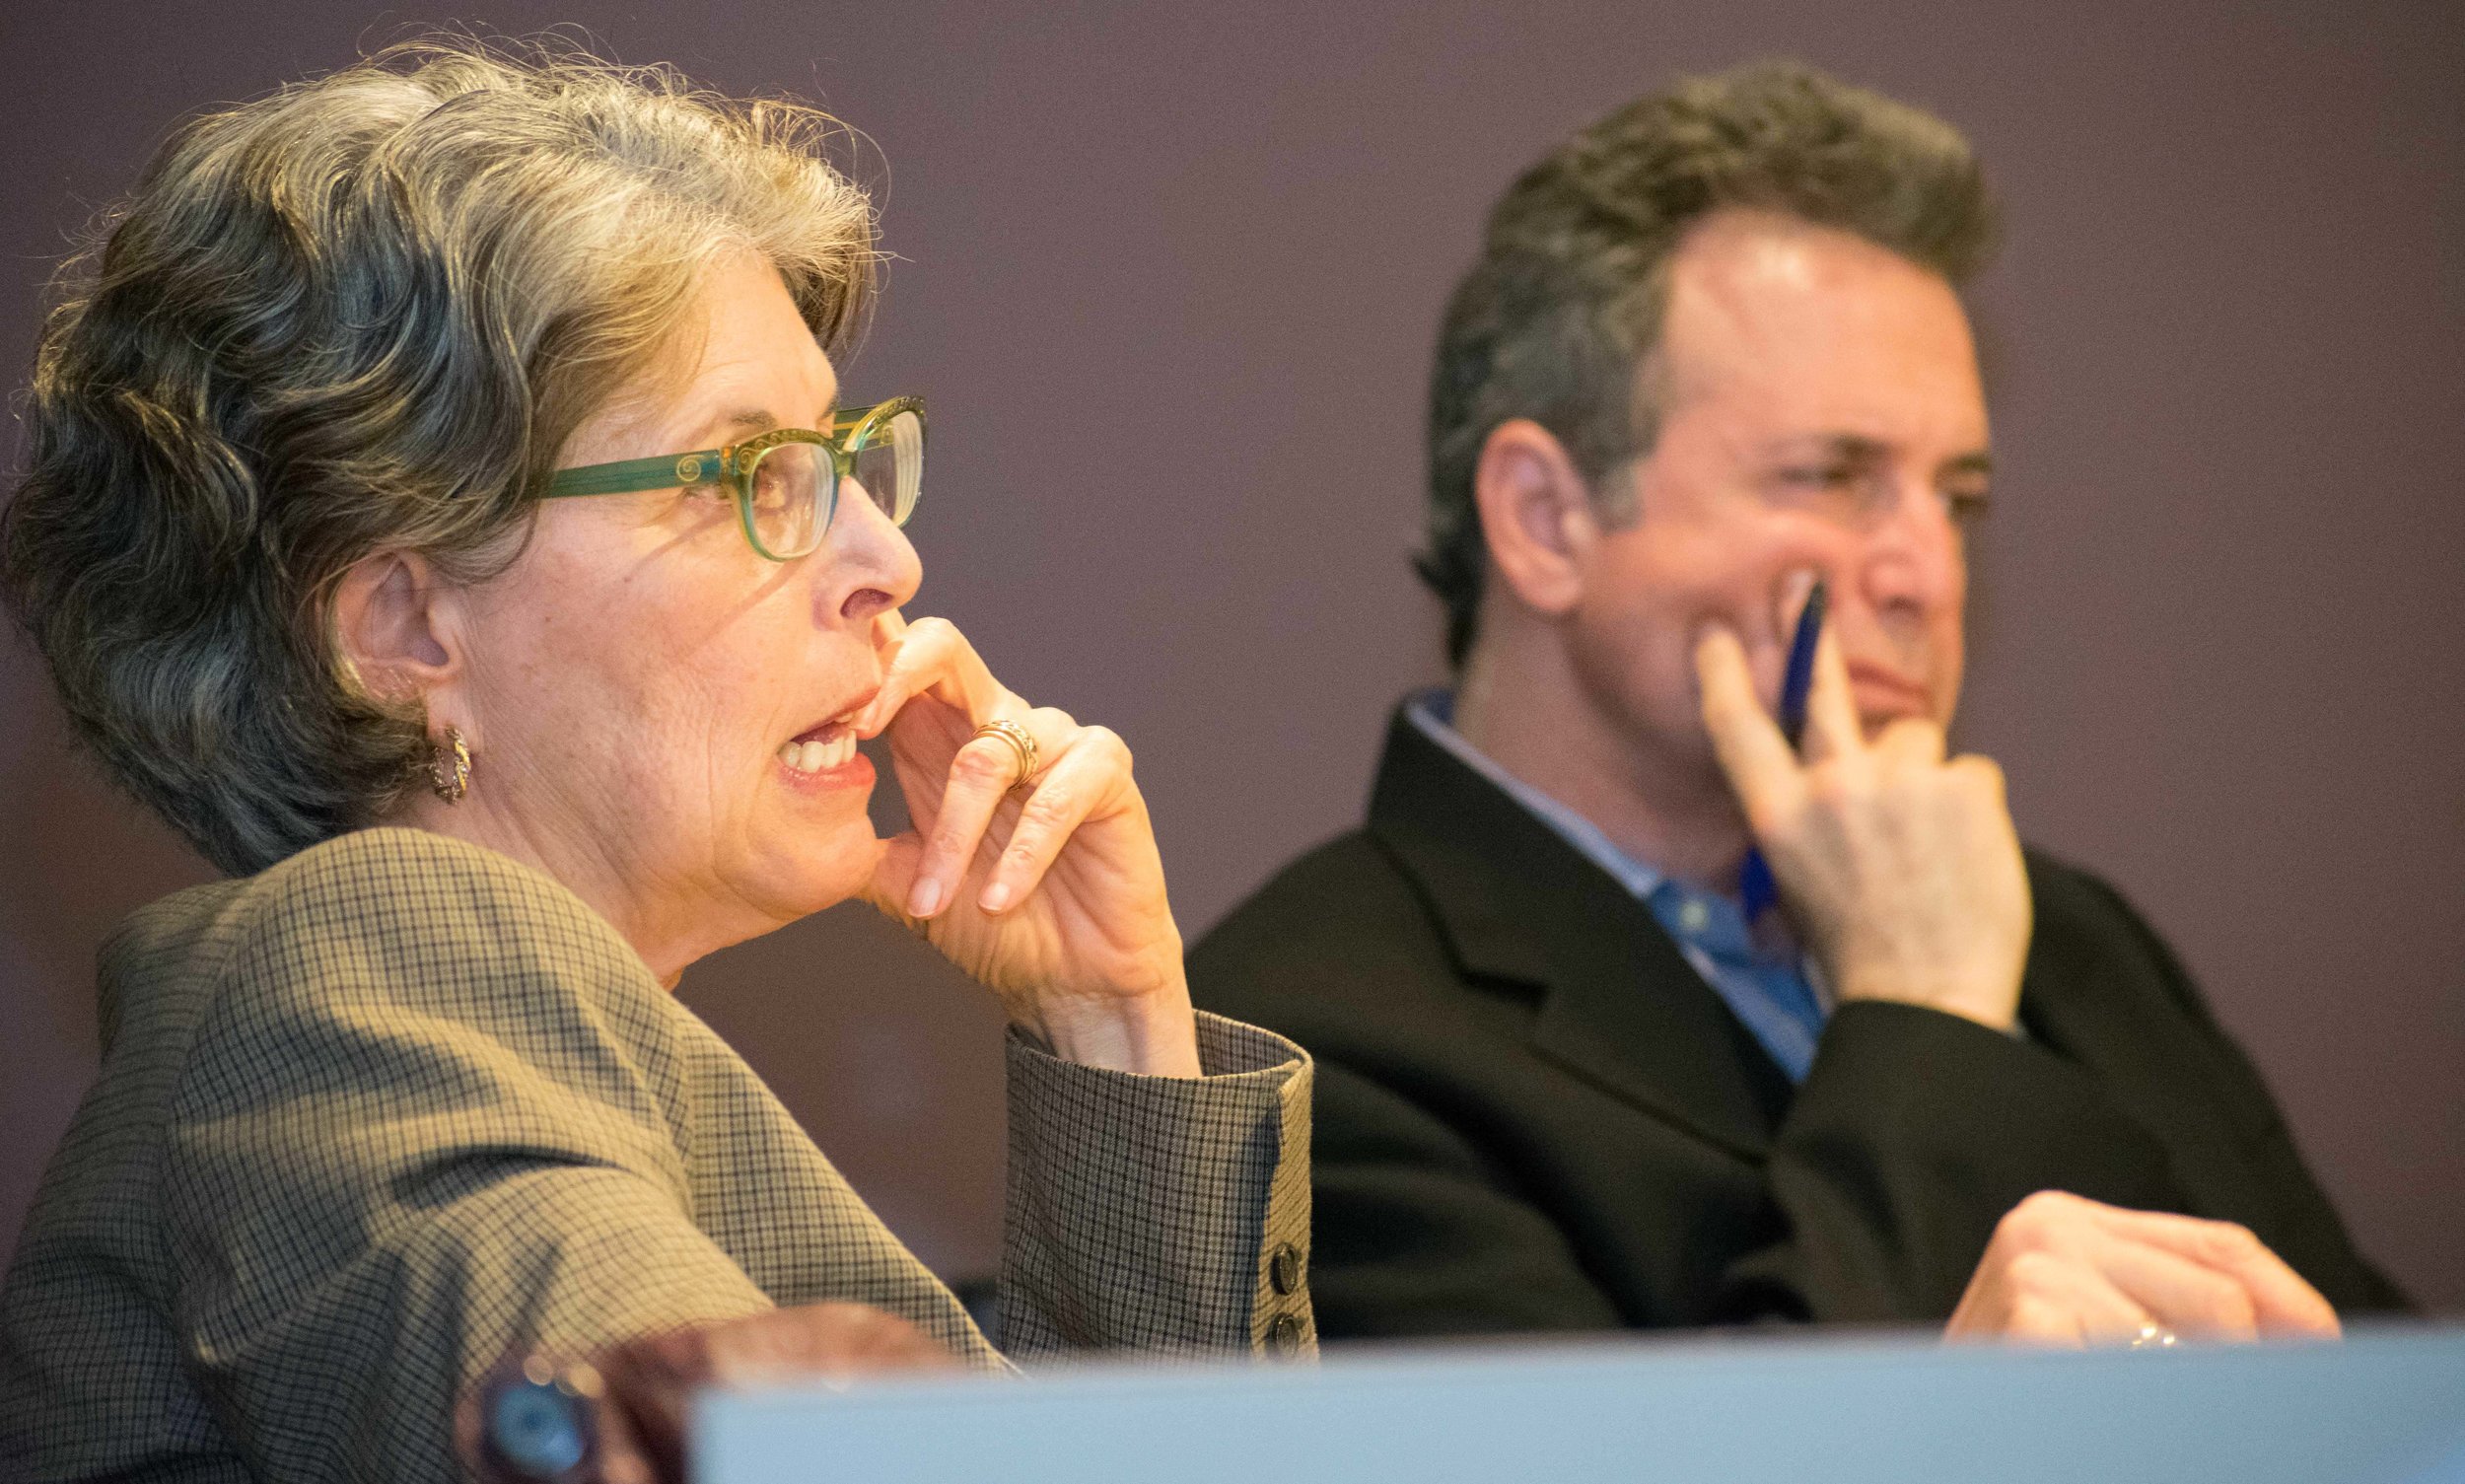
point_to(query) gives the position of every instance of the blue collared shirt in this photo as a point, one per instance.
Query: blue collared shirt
(1773, 994)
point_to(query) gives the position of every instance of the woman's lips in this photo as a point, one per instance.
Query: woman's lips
(819, 751)
(825, 753)
(825, 758)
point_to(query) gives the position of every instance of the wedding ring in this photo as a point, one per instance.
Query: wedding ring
(2155, 1337)
(1019, 743)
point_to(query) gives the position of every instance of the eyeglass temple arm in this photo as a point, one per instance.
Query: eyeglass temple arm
(670, 471)
(667, 471)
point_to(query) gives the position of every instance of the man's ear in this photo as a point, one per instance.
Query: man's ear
(1537, 515)
(394, 625)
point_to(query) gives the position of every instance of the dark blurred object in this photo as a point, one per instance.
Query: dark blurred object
(618, 1417)
(541, 1421)
(983, 1295)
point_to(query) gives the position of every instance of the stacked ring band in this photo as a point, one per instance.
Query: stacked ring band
(1020, 742)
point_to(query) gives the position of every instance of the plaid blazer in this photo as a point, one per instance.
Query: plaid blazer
(370, 1120)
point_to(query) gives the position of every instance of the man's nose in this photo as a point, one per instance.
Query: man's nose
(1914, 561)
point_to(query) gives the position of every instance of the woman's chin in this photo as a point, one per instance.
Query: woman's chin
(810, 865)
(823, 819)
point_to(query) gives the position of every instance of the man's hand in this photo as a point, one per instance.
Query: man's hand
(1901, 869)
(618, 1417)
(2062, 1270)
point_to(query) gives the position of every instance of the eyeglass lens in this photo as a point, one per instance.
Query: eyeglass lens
(790, 496)
(791, 485)
(792, 490)
(889, 465)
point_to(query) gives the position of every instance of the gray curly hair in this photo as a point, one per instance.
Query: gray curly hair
(362, 314)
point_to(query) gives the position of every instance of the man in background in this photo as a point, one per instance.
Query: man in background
(1711, 353)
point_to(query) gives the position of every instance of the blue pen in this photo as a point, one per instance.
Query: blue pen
(1755, 887)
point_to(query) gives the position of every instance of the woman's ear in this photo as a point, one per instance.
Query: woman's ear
(1537, 515)
(393, 627)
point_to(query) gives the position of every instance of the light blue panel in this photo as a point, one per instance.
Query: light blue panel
(2387, 1408)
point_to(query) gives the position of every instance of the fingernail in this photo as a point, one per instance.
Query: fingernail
(1795, 588)
(994, 897)
(926, 898)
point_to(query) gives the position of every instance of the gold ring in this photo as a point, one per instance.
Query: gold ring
(1019, 743)
(2155, 1337)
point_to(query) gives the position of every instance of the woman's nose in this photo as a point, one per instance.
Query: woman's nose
(873, 567)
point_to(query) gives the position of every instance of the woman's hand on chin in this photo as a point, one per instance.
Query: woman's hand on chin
(1048, 890)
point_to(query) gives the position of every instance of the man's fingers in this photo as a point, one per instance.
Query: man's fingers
(2190, 1298)
(2282, 1303)
(1832, 728)
(2035, 1321)
(2289, 1306)
(1912, 742)
(1752, 752)
(2045, 1297)
(2104, 1313)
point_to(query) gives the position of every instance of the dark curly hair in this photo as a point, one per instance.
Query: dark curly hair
(362, 314)
(1565, 299)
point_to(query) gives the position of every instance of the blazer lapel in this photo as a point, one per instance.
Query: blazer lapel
(1621, 1006)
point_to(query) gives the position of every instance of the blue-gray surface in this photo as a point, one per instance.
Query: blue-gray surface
(2386, 1407)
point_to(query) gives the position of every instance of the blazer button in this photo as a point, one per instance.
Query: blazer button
(1284, 1334)
(1284, 1269)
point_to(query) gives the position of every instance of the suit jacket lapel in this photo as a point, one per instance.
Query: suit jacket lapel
(1621, 1006)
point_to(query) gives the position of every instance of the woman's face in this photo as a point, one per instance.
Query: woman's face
(643, 690)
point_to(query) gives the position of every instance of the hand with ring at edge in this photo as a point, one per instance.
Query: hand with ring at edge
(2062, 1270)
(1031, 861)
(620, 1416)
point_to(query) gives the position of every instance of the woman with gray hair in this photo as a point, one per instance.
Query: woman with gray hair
(443, 510)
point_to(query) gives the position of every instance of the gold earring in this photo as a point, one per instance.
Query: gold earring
(449, 767)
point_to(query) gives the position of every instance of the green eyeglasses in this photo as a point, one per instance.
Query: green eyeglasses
(786, 481)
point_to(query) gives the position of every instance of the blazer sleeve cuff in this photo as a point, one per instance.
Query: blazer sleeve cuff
(1968, 1101)
(1916, 1131)
(1158, 1213)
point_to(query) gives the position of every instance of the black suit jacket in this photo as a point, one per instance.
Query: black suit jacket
(1532, 1113)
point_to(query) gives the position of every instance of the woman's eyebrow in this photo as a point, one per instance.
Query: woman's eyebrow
(750, 422)
(734, 426)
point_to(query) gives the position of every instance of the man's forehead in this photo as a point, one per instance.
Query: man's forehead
(1761, 249)
(1808, 322)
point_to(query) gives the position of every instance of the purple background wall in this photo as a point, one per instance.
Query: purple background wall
(2218, 623)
